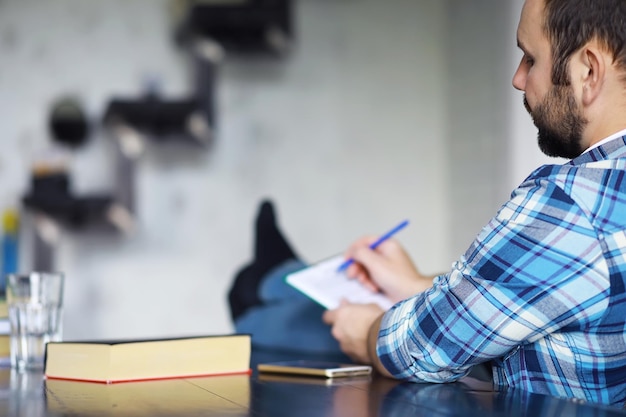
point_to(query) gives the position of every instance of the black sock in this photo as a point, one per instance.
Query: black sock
(244, 292)
(270, 247)
(270, 250)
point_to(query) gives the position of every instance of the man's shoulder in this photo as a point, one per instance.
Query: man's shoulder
(547, 171)
(593, 164)
(552, 173)
(573, 179)
(580, 183)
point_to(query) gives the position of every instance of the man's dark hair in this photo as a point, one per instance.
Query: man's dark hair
(570, 24)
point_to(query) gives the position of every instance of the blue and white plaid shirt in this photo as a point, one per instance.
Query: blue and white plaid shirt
(540, 293)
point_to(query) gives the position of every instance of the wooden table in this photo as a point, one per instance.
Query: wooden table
(275, 396)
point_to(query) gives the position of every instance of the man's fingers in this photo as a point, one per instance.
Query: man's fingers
(353, 270)
(366, 256)
(367, 283)
(329, 316)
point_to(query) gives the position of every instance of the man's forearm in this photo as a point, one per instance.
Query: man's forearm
(372, 338)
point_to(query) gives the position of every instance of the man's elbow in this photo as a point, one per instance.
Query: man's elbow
(372, 339)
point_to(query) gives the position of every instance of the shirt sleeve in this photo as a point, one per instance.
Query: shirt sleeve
(537, 267)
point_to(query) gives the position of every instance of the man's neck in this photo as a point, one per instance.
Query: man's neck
(605, 115)
(608, 138)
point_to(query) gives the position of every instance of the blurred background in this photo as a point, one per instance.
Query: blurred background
(138, 138)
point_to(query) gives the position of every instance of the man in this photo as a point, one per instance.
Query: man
(540, 295)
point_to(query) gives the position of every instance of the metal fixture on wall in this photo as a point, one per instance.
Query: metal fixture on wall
(206, 31)
(253, 26)
(51, 198)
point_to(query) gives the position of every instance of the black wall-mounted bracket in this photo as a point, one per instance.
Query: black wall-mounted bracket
(253, 26)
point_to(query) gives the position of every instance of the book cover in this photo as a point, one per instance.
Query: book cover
(148, 359)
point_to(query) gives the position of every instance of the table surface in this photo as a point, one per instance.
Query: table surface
(28, 394)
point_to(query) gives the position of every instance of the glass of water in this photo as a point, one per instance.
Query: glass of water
(35, 304)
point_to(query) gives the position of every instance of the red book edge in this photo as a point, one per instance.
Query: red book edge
(121, 381)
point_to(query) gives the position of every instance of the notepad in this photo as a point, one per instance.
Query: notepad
(323, 284)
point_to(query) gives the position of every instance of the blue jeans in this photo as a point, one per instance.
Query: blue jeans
(287, 319)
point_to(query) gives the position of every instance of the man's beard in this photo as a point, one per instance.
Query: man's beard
(559, 122)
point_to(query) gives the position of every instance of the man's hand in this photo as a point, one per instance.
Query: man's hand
(351, 324)
(387, 269)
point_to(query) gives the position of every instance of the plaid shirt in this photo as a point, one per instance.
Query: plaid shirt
(540, 293)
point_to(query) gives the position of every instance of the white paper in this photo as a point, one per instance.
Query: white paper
(322, 283)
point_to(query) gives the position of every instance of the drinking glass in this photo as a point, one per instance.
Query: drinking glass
(35, 304)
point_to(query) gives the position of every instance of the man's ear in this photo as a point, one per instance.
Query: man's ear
(591, 71)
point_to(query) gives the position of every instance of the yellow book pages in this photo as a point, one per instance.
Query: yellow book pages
(124, 361)
(5, 345)
(4, 309)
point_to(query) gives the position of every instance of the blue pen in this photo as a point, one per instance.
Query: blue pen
(374, 245)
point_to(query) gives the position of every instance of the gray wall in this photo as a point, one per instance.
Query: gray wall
(479, 84)
(385, 111)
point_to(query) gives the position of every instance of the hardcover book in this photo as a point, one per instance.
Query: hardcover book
(138, 360)
(5, 334)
